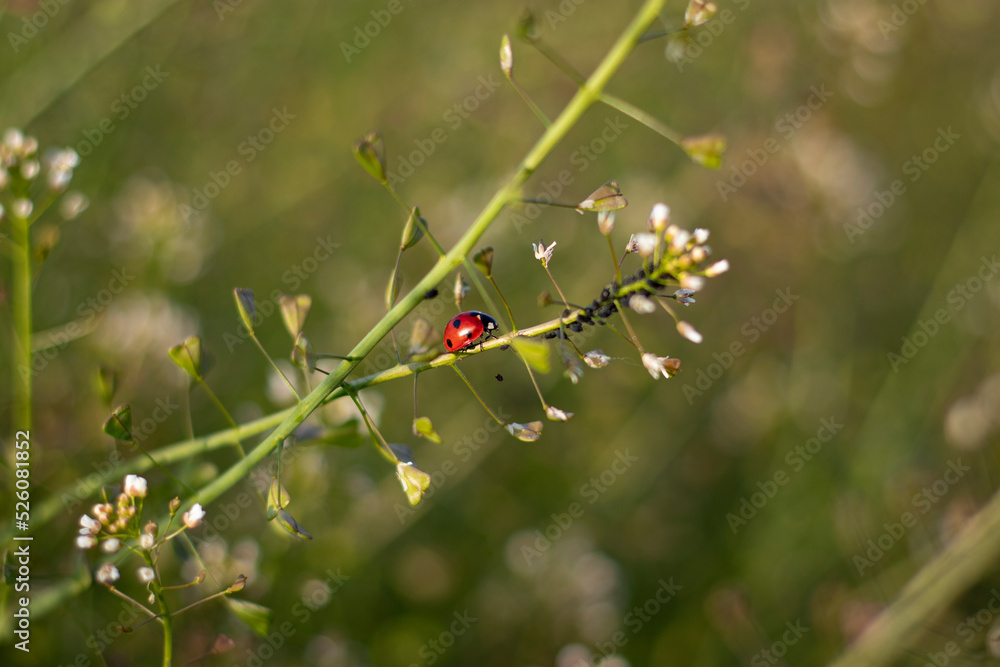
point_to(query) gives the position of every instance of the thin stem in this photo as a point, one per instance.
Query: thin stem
(165, 619)
(615, 262)
(628, 325)
(225, 414)
(380, 442)
(513, 324)
(129, 598)
(21, 371)
(560, 62)
(476, 394)
(531, 103)
(558, 289)
(646, 119)
(202, 601)
(271, 361)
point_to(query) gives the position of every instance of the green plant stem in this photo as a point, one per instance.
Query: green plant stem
(20, 370)
(614, 260)
(476, 394)
(646, 119)
(165, 619)
(225, 414)
(965, 560)
(275, 366)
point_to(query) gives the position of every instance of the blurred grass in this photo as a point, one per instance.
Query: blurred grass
(667, 516)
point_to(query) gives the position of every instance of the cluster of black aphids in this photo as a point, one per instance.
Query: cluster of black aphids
(604, 306)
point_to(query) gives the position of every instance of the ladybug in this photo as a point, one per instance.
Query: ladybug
(466, 328)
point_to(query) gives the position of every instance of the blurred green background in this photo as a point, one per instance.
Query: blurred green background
(825, 106)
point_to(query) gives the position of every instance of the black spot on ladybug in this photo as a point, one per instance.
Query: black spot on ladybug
(456, 323)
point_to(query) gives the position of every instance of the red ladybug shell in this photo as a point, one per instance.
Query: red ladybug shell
(466, 328)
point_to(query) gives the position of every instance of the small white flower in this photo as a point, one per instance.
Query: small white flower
(693, 283)
(698, 254)
(146, 574)
(659, 217)
(64, 159)
(679, 241)
(86, 541)
(13, 139)
(684, 296)
(655, 365)
(606, 222)
(135, 486)
(689, 332)
(193, 517)
(596, 359)
(92, 526)
(30, 146)
(107, 574)
(23, 207)
(555, 414)
(72, 205)
(645, 244)
(642, 304)
(632, 245)
(700, 235)
(542, 253)
(30, 169)
(698, 12)
(111, 545)
(58, 180)
(718, 268)
(146, 541)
